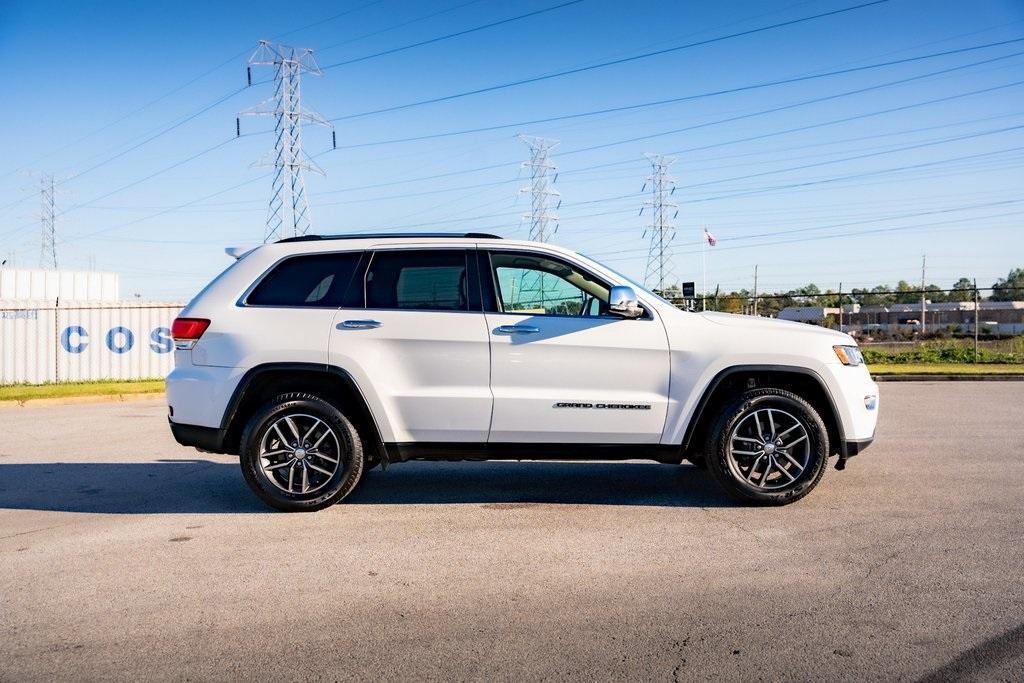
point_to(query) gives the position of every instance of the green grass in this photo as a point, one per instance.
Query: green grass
(27, 392)
(1005, 352)
(945, 369)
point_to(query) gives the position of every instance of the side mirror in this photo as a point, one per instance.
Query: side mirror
(622, 301)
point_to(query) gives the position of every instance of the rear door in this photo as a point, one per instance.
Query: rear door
(418, 345)
(564, 370)
(285, 317)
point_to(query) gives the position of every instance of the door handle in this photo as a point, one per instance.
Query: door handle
(358, 325)
(516, 329)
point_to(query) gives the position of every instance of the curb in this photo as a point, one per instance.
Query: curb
(74, 400)
(948, 378)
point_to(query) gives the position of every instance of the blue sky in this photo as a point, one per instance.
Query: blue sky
(855, 201)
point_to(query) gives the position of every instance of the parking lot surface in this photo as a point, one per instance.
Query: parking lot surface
(125, 556)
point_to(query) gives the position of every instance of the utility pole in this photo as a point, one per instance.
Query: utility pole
(47, 223)
(977, 305)
(288, 210)
(840, 306)
(923, 328)
(755, 289)
(541, 214)
(661, 230)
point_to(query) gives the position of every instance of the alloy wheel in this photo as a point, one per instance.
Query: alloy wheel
(299, 453)
(769, 449)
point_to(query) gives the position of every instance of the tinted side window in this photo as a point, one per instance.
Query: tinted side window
(315, 280)
(418, 280)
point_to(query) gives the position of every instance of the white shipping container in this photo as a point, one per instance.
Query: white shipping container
(65, 285)
(84, 341)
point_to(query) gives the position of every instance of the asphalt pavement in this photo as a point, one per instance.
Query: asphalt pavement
(125, 556)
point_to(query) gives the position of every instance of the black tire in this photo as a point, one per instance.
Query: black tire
(345, 446)
(740, 414)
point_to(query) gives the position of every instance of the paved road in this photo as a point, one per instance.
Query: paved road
(123, 556)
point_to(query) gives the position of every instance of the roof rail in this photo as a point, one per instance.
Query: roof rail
(378, 235)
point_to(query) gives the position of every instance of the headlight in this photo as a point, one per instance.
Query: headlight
(849, 355)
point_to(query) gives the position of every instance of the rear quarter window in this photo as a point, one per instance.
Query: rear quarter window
(315, 280)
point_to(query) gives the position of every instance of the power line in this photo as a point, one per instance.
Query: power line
(449, 36)
(592, 67)
(728, 91)
(729, 120)
(801, 128)
(819, 124)
(139, 181)
(718, 144)
(659, 102)
(138, 110)
(868, 221)
(179, 88)
(731, 142)
(503, 165)
(402, 24)
(851, 176)
(857, 157)
(328, 19)
(858, 233)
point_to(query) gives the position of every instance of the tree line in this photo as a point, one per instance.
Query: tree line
(1010, 288)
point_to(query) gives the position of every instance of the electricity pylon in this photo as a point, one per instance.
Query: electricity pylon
(661, 230)
(47, 222)
(288, 210)
(541, 214)
(532, 292)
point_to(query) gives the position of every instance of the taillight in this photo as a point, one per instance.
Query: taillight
(187, 331)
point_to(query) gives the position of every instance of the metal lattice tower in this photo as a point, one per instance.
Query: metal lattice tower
(288, 210)
(661, 230)
(541, 214)
(47, 222)
(532, 292)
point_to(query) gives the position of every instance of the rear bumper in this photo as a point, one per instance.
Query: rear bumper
(204, 438)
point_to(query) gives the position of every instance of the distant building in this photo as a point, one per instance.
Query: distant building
(994, 317)
(807, 314)
(68, 285)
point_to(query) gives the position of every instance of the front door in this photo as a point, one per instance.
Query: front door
(563, 369)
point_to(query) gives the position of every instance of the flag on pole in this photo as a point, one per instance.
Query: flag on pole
(709, 237)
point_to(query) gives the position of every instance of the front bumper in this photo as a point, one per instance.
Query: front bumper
(852, 448)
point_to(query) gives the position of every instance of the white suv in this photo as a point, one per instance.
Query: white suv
(318, 357)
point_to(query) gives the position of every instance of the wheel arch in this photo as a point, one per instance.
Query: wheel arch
(802, 381)
(261, 383)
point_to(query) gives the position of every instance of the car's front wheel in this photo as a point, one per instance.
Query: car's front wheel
(768, 446)
(299, 453)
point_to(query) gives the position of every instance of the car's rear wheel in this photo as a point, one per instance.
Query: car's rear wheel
(768, 446)
(299, 453)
